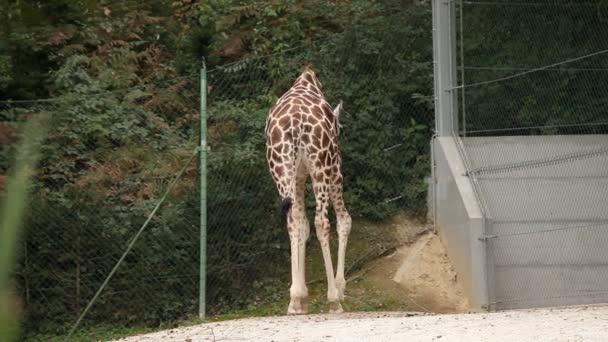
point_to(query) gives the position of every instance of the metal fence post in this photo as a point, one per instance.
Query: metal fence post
(444, 61)
(203, 192)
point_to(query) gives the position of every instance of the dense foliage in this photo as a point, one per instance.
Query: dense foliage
(556, 100)
(124, 82)
(123, 123)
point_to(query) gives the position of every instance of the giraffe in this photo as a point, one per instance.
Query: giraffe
(301, 142)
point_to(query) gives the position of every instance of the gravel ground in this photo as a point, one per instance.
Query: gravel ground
(584, 323)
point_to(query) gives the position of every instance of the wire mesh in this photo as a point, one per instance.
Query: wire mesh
(534, 128)
(105, 163)
(110, 156)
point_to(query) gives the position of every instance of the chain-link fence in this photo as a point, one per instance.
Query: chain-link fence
(533, 123)
(106, 162)
(119, 169)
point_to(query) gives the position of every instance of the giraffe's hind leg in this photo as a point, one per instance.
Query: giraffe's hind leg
(299, 231)
(283, 165)
(321, 189)
(343, 227)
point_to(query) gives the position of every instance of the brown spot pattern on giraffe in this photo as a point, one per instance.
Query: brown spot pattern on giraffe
(302, 137)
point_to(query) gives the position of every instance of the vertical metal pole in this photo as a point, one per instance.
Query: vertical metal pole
(463, 97)
(444, 55)
(203, 194)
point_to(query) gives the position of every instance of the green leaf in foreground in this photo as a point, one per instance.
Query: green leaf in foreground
(11, 212)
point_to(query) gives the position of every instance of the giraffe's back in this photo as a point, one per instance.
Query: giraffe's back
(304, 120)
(301, 135)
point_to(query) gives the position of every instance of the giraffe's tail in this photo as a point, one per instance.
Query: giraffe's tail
(285, 206)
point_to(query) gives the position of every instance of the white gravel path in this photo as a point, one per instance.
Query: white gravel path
(584, 323)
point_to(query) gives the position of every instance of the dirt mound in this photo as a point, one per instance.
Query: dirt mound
(428, 276)
(418, 273)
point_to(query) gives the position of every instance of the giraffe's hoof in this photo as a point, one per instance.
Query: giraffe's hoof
(291, 312)
(335, 308)
(298, 307)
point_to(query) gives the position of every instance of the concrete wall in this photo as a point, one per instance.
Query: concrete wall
(548, 221)
(459, 220)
